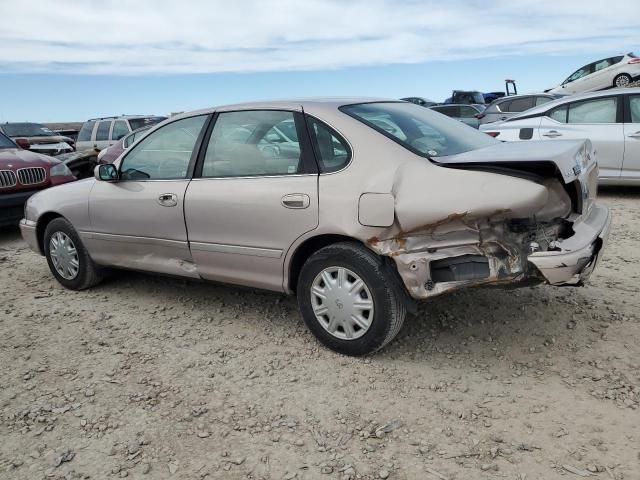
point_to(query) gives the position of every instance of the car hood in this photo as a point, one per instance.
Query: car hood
(570, 156)
(14, 158)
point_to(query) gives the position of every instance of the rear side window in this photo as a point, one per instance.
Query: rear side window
(602, 110)
(251, 143)
(103, 130)
(559, 114)
(84, 135)
(634, 106)
(521, 104)
(467, 112)
(542, 100)
(120, 129)
(448, 111)
(330, 149)
(504, 106)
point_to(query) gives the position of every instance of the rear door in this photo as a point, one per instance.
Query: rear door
(597, 119)
(631, 165)
(255, 192)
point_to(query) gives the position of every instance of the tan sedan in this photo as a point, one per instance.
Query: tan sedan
(358, 206)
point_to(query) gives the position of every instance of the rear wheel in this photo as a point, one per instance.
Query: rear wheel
(349, 300)
(68, 258)
(622, 80)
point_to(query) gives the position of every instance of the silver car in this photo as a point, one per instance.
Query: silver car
(506, 107)
(360, 220)
(618, 71)
(467, 114)
(610, 119)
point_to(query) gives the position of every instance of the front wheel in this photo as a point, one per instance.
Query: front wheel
(349, 299)
(622, 80)
(68, 258)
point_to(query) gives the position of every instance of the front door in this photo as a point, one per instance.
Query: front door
(598, 120)
(256, 193)
(631, 165)
(138, 221)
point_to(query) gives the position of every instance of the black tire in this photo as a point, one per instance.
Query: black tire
(622, 80)
(389, 308)
(88, 273)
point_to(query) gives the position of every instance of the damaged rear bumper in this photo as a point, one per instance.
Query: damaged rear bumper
(483, 255)
(577, 256)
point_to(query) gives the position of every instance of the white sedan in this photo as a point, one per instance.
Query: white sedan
(610, 119)
(618, 71)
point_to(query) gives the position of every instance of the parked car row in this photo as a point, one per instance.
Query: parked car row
(22, 173)
(610, 119)
(37, 137)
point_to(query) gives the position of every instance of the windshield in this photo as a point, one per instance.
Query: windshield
(137, 123)
(6, 142)
(419, 129)
(27, 130)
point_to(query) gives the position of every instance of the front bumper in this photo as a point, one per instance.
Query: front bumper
(28, 231)
(578, 255)
(12, 207)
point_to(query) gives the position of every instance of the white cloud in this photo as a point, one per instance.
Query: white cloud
(200, 36)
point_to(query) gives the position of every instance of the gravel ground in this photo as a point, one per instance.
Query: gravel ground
(149, 377)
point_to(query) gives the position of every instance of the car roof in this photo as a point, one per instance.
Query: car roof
(572, 98)
(308, 104)
(124, 117)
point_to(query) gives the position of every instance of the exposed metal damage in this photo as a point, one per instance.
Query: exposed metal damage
(463, 249)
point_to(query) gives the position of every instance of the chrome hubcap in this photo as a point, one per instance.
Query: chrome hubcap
(622, 82)
(64, 255)
(342, 303)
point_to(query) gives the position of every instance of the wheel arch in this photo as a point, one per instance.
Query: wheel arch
(307, 248)
(41, 225)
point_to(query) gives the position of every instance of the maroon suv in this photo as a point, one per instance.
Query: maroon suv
(22, 173)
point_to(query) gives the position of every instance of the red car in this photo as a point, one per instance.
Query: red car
(23, 173)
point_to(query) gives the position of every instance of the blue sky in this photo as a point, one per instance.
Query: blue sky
(68, 60)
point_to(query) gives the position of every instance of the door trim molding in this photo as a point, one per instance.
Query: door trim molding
(110, 237)
(236, 249)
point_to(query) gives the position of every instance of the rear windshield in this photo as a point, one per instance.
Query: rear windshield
(26, 130)
(137, 123)
(419, 129)
(5, 142)
(632, 55)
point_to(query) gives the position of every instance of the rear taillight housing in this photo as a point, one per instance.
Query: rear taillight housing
(634, 60)
(493, 134)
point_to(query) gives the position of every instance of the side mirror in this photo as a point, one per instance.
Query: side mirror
(23, 143)
(106, 173)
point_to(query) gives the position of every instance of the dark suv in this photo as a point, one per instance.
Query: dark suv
(23, 173)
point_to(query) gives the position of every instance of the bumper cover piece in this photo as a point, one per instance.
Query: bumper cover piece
(577, 256)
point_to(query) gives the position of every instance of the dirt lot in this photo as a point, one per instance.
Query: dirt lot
(150, 377)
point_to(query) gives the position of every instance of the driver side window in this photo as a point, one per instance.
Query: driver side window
(164, 154)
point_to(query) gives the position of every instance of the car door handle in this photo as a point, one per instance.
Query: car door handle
(552, 134)
(296, 200)
(634, 135)
(168, 199)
